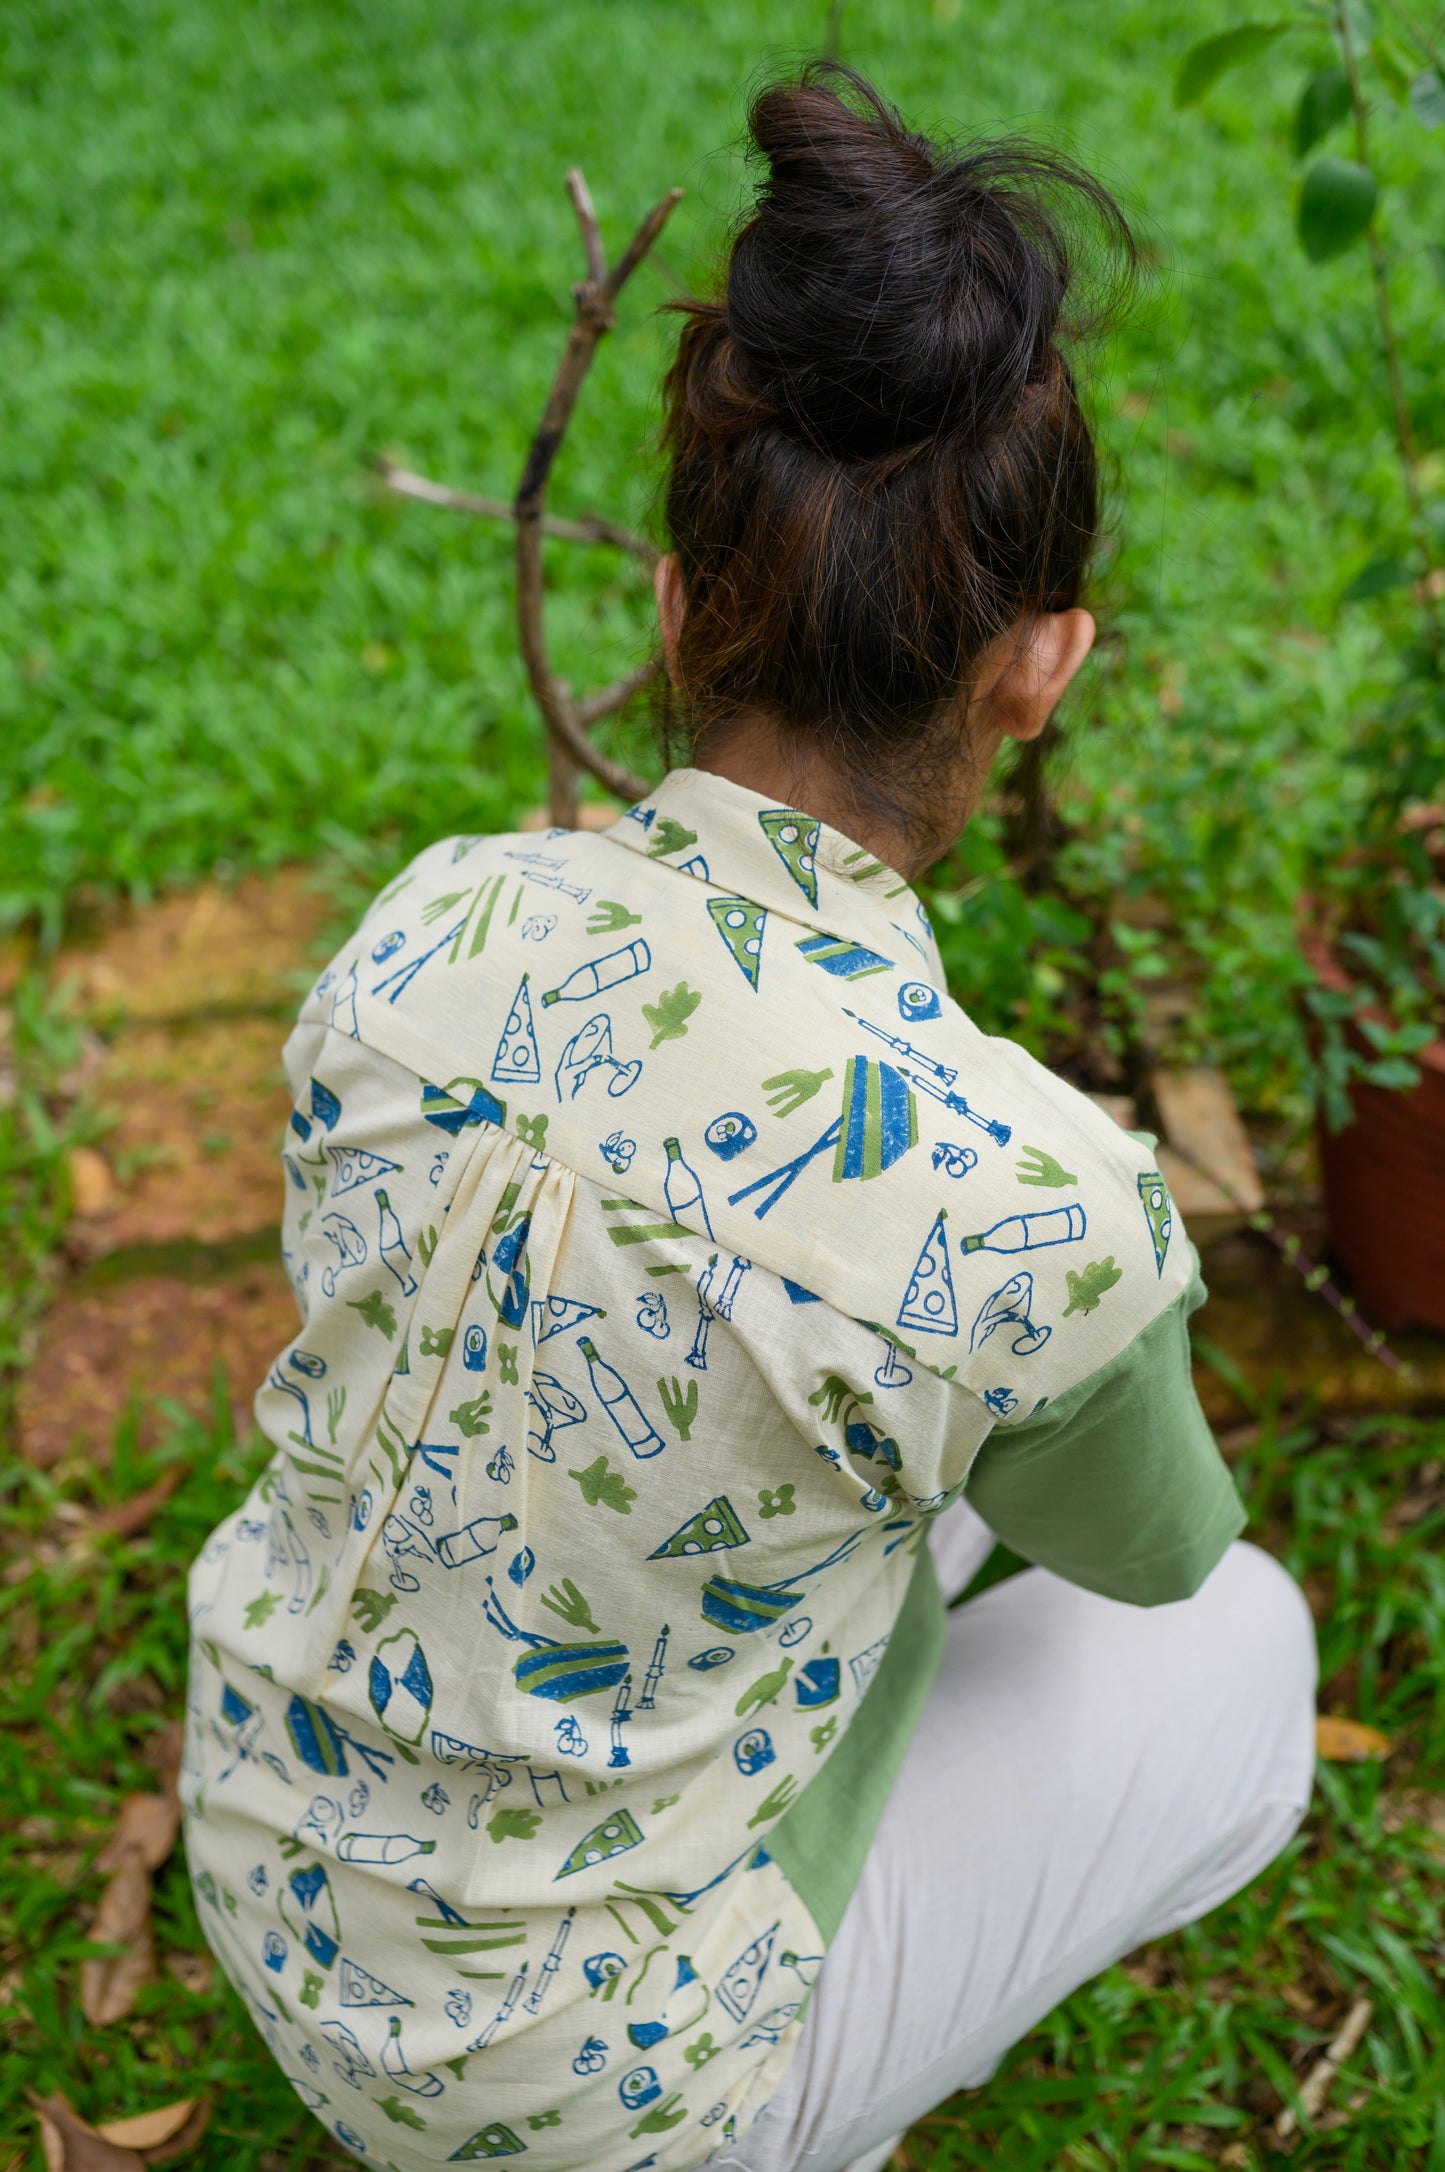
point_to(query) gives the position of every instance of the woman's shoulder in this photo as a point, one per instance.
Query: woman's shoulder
(804, 1095)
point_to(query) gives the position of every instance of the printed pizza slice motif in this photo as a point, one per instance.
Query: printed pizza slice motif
(794, 838)
(708, 1532)
(1158, 1212)
(740, 923)
(516, 1062)
(360, 1988)
(550, 1315)
(929, 1305)
(614, 1836)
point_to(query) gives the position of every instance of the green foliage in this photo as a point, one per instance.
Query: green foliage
(1427, 98)
(1324, 103)
(1204, 63)
(39, 1043)
(1336, 204)
(220, 641)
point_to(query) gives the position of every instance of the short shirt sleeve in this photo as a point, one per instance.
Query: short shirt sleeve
(1118, 1485)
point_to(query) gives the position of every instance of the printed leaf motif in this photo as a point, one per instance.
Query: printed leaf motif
(401, 2113)
(669, 1015)
(604, 1487)
(513, 1825)
(1087, 1287)
(375, 1311)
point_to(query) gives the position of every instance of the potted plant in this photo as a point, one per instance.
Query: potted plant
(1373, 931)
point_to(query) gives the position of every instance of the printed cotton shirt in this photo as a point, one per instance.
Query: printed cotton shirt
(669, 1247)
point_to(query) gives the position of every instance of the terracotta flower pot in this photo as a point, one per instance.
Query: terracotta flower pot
(1384, 1179)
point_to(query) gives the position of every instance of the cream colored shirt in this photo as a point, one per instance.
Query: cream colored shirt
(669, 1247)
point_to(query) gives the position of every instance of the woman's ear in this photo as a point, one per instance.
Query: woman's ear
(671, 607)
(1040, 665)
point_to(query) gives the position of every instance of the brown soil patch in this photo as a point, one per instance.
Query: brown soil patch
(1288, 1342)
(244, 947)
(159, 1336)
(201, 1109)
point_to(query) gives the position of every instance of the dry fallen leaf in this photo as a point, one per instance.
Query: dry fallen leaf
(192, 1971)
(144, 1835)
(71, 2146)
(150, 2130)
(109, 1982)
(92, 1184)
(145, 1832)
(1347, 1741)
(185, 2138)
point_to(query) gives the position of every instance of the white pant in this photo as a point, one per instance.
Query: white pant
(1085, 1776)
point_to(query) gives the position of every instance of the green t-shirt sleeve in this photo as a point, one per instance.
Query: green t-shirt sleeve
(1118, 1485)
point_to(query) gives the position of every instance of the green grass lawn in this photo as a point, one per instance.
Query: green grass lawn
(245, 249)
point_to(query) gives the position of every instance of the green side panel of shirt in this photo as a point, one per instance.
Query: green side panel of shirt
(1119, 1485)
(819, 1844)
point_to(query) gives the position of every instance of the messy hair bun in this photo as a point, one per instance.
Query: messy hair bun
(879, 461)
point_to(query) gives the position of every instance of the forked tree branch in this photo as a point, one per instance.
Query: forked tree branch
(587, 528)
(567, 721)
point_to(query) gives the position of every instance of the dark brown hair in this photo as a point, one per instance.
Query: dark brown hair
(879, 459)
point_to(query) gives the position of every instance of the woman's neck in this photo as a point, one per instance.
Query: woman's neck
(755, 753)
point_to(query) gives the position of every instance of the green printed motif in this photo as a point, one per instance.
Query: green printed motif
(669, 1015)
(1089, 1285)
(652, 1216)
(669, 837)
(604, 1487)
(680, 1403)
(1158, 1212)
(740, 924)
(1041, 1168)
(794, 838)
(790, 1089)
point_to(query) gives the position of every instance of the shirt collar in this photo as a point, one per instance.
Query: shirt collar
(734, 841)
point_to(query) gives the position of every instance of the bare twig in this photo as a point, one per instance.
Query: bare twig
(1316, 1279)
(618, 694)
(564, 717)
(588, 528)
(1316, 2084)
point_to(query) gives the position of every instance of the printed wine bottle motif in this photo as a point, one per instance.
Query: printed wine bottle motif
(600, 973)
(681, 1187)
(620, 1403)
(393, 1245)
(1027, 1232)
